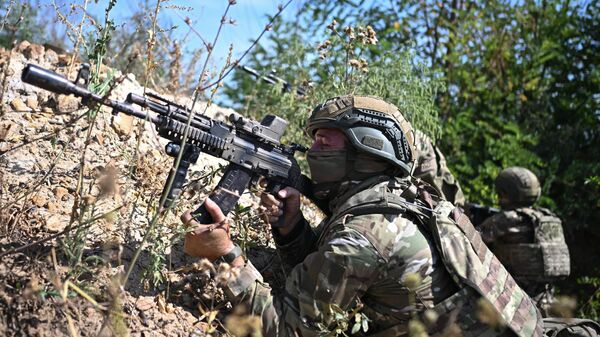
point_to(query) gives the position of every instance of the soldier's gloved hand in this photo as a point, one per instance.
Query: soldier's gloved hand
(271, 208)
(207, 240)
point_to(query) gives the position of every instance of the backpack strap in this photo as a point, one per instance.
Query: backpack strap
(383, 201)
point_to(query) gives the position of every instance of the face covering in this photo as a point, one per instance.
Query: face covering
(330, 168)
(327, 170)
(327, 166)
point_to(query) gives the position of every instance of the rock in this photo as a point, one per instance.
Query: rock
(99, 138)
(39, 200)
(34, 52)
(51, 56)
(22, 165)
(123, 124)
(67, 103)
(89, 200)
(56, 223)
(22, 46)
(144, 303)
(64, 59)
(60, 192)
(8, 130)
(52, 206)
(18, 105)
(32, 103)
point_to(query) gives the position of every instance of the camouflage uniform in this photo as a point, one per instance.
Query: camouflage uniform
(366, 258)
(431, 167)
(383, 228)
(528, 241)
(362, 258)
(531, 244)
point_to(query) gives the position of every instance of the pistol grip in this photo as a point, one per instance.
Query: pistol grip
(274, 189)
(234, 182)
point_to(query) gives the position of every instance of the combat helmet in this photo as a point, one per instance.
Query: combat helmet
(519, 185)
(372, 126)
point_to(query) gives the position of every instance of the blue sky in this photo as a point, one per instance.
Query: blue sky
(250, 17)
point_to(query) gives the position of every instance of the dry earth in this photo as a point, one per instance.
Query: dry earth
(69, 285)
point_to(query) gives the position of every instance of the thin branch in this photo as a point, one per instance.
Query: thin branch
(79, 34)
(189, 23)
(44, 137)
(64, 231)
(239, 60)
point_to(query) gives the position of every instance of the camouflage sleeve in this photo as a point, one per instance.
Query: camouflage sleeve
(295, 246)
(334, 275)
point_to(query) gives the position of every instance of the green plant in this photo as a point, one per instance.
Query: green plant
(19, 22)
(344, 63)
(83, 208)
(343, 320)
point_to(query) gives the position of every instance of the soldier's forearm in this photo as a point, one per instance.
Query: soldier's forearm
(297, 244)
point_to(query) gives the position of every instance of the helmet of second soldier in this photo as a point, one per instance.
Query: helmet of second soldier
(517, 187)
(371, 125)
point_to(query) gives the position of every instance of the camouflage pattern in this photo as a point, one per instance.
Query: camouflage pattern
(517, 187)
(473, 265)
(431, 167)
(369, 257)
(530, 243)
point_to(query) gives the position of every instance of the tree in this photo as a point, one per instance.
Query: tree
(521, 83)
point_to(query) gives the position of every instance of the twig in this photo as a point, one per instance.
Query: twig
(160, 210)
(239, 60)
(53, 236)
(44, 137)
(84, 295)
(189, 23)
(10, 6)
(33, 189)
(79, 33)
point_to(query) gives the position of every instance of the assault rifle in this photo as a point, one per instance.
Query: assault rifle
(478, 213)
(271, 78)
(252, 149)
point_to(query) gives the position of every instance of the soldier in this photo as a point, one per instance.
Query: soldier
(431, 167)
(528, 241)
(389, 248)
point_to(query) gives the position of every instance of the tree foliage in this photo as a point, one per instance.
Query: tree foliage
(343, 61)
(18, 22)
(521, 83)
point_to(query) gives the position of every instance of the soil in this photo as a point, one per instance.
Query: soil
(89, 186)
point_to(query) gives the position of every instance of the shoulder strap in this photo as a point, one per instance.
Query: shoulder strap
(383, 201)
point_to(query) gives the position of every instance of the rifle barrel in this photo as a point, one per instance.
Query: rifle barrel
(54, 82)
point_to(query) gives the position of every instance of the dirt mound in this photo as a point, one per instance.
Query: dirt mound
(90, 182)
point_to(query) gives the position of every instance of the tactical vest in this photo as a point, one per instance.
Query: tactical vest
(469, 262)
(546, 259)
